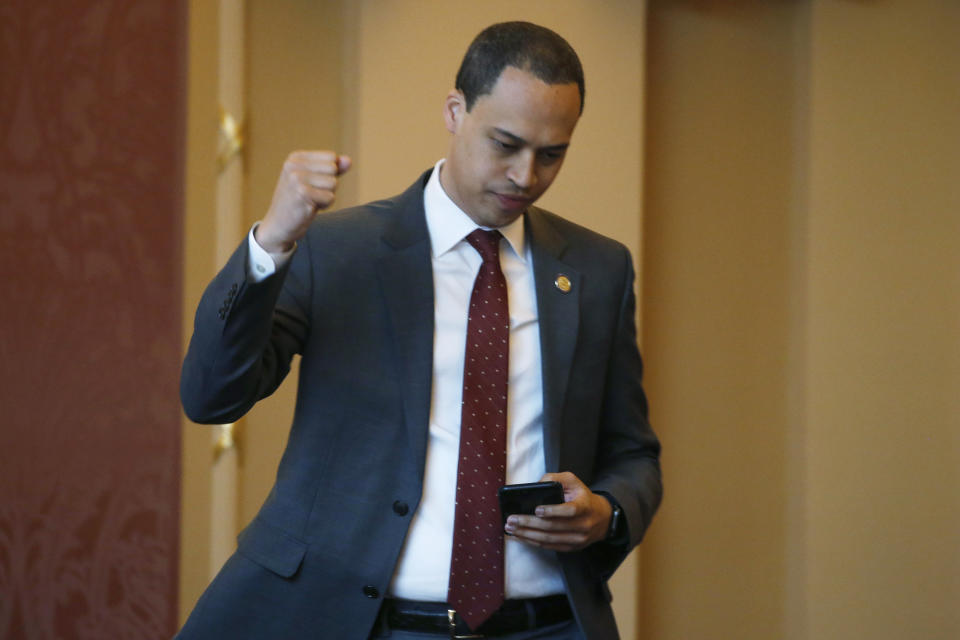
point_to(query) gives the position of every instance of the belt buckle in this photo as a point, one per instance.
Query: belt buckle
(452, 621)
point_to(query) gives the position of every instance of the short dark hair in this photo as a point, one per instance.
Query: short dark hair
(524, 45)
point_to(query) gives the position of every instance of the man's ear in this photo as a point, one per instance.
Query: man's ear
(454, 108)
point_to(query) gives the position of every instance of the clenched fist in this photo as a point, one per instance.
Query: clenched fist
(307, 184)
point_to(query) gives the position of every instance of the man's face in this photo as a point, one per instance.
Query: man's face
(508, 148)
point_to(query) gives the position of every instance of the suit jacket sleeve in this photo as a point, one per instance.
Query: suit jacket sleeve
(245, 335)
(628, 466)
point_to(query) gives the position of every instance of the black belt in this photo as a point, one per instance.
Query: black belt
(512, 617)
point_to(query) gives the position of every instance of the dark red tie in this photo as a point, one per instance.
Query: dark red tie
(476, 566)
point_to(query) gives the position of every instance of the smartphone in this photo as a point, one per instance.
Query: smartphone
(525, 498)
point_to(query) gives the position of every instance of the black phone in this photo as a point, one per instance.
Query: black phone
(525, 498)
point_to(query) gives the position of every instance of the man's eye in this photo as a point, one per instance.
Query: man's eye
(503, 146)
(549, 157)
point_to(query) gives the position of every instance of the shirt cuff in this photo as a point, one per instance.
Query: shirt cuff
(263, 264)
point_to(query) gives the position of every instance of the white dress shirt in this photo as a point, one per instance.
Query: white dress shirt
(424, 567)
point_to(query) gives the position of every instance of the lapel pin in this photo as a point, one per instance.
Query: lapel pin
(563, 283)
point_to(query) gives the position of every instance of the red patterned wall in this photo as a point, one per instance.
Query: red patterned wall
(92, 120)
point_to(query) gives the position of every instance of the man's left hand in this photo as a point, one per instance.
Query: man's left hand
(581, 520)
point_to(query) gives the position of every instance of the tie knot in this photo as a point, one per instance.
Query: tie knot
(487, 244)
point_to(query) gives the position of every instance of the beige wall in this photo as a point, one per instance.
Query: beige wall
(797, 224)
(883, 321)
(199, 265)
(720, 184)
(803, 319)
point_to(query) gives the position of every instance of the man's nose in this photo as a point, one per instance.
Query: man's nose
(523, 171)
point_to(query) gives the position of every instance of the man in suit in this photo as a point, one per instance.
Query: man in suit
(362, 535)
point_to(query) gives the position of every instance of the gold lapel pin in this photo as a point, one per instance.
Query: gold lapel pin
(563, 283)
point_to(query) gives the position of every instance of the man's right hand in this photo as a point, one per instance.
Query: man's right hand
(307, 184)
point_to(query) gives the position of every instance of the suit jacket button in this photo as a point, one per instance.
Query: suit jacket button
(400, 508)
(371, 591)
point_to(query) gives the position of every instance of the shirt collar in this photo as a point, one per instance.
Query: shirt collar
(448, 224)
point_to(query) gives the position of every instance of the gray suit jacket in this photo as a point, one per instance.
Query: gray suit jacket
(356, 301)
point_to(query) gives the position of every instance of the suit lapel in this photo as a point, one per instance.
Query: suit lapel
(406, 280)
(559, 313)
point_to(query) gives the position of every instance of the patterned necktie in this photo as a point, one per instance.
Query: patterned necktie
(476, 568)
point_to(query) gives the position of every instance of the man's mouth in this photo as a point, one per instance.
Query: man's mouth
(512, 202)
